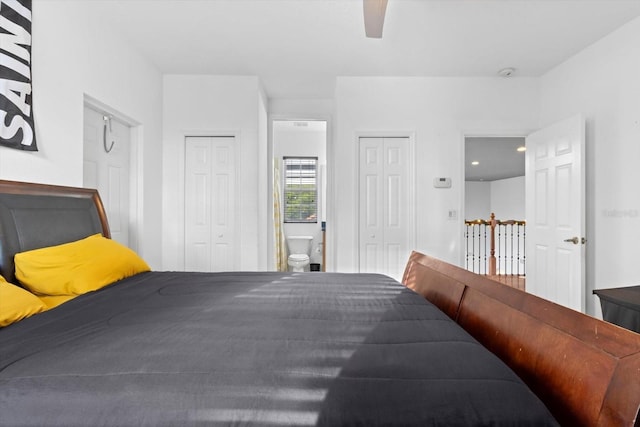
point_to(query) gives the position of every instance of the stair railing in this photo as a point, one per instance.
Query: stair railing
(495, 247)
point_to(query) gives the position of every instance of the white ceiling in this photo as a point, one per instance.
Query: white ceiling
(298, 47)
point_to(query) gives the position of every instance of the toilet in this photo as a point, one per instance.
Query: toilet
(299, 251)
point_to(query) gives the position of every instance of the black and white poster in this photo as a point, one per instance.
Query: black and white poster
(16, 112)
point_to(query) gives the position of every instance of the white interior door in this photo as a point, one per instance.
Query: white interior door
(555, 215)
(384, 210)
(107, 168)
(210, 181)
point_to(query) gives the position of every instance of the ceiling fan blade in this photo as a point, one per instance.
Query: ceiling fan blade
(374, 11)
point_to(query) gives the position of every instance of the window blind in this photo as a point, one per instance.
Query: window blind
(300, 189)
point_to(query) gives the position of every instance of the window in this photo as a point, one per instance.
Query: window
(300, 189)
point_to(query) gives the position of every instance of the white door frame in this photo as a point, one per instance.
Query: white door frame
(180, 199)
(135, 167)
(411, 135)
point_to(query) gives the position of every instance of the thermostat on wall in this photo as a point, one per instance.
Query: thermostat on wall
(442, 182)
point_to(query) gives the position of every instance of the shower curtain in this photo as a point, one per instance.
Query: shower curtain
(280, 249)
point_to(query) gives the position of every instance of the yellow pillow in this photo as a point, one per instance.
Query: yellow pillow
(16, 303)
(77, 267)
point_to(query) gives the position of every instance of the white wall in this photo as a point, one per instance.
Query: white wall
(602, 82)
(81, 57)
(319, 109)
(508, 198)
(477, 200)
(504, 197)
(215, 105)
(440, 111)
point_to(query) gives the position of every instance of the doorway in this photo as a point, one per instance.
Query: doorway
(109, 153)
(554, 211)
(494, 223)
(298, 140)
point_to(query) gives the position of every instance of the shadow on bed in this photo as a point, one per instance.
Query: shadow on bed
(415, 366)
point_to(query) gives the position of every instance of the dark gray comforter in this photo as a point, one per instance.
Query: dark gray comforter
(177, 349)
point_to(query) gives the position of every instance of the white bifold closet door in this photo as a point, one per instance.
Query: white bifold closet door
(384, 205)
(210, 199)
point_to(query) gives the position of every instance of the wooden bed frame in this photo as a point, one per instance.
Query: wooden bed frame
(585, 370)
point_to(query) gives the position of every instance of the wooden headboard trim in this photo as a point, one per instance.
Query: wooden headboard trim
(34, 189)
(585, 370)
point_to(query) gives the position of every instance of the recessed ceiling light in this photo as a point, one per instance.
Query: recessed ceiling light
(521, 149)
(475, 163)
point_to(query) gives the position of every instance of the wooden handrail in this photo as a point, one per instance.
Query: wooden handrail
(498, 222)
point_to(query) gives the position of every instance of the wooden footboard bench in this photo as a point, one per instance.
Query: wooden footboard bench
(585, 370)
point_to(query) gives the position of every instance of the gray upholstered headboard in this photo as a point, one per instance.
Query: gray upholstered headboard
(37, 215)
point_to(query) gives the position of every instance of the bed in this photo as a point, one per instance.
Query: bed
(238, 348)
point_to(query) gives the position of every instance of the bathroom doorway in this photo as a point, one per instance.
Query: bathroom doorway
(299, 188)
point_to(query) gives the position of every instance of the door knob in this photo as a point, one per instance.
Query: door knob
(574, 240)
